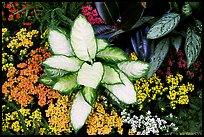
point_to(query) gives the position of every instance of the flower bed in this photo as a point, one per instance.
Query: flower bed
(125, 80)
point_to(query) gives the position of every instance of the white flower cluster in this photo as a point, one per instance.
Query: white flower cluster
(144, 125)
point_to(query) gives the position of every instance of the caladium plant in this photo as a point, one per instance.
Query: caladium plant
(81, 64)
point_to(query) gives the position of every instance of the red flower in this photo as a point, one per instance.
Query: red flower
(2, 13)
(18, 16)
(170, 63)
(94, 12)
(27, 23)
(16, 4)
(8, 6)
(10, 17)
(32, 12)
(168, 73)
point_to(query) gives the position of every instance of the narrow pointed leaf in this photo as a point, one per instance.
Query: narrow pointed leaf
(102, 28)
(59, 43)
(66, 84)
(82, 39)
(176, 42)
(90, 75)
(63, 62)
(102, 44)
(46, 80)
(124, 92)
(80, 110)
(111, 76)
(192, 46)
(134, 69)
(89, 95)
(54, 73)
(163, 26)
(112, 54)
(159, 54)
(141, 21)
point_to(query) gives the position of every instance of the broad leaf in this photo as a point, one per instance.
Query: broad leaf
(134, 69)
(108, 11)
(141, 21)
(89, 95)
(66, 84)
(102, 28)
(46, 80)
(63, 62)
(124, 92)
(111, 76)
(79, 112)
(112, 54)
(59, 43)
(102, 44)
(159, 54)
(54, 73)
(163, 26)
(83, 40)
(192, 46)
(90, 75)
(176, 41)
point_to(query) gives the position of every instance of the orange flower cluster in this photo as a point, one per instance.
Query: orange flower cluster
(24, 86)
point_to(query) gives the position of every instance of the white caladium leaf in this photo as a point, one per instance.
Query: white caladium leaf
(112, 54)
(54, 73)
(59, 43)
(90, 75)
(111, 76)
(192, 46)
(134, 68)
(102, 44)
(66, 83)
(124, 92)
(89, 95)
(63, 62)
(80, 110)
(46, 80)
(163, 26)
(83, 40)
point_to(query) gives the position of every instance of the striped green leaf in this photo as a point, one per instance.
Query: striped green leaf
(89, 95)
(102, 44)
(192, 46)
(54, 73)
(112, 54)
(163, 26)
(83, 40)
(159, 55)
(79, 112)
(46, 80)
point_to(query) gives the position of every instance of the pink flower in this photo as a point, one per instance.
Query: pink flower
(182, 63)
(180, 54)
(190, 74)
(168, 73)
(94, 12)
(170, 63)
(160, 71)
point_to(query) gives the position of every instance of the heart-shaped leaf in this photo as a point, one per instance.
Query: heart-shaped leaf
(79, 112)
(83, 40)
(192, 46)
(112, 54)
(159, 54)
(59, 42)
(90, 75)
(163, 26)
(63, 62)
(108, 11)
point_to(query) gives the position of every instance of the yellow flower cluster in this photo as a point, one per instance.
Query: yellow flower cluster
(59, 116)
(152, 89)
(101, 122)
(133, 56)
(44, 37)
(11, 120)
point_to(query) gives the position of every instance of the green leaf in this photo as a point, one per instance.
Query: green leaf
(141, 21)
(192, 46)
(163, 26)
(112, 54)
(63, 62)
(79, 112)
(89, 95)
(134, 68)
(159, 55)
(102, 44)
(46, 80)
(176, 41)
(123, 92)
(90, 75)
(59, 43)
(82, 39)
(54, 73)
(66, 84)
(111, 75)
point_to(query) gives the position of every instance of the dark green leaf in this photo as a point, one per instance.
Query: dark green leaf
(159, 55)
(176, 41)
(192, 46)
(141, 21)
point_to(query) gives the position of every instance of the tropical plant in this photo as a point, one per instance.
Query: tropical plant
(84, 65)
